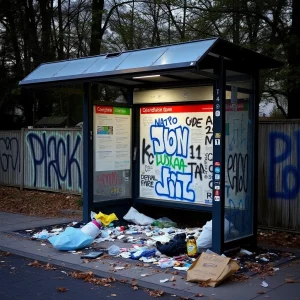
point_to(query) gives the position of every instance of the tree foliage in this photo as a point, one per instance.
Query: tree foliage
(33, 32)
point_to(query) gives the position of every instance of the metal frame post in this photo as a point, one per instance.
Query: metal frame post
(219, 160)
(87, 131)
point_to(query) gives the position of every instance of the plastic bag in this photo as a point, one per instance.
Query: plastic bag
(204, 240)
(166, 263)
(114, 250)
(164, 222)
(137, 218)
(71, 239)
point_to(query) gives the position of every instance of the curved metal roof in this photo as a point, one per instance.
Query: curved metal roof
(183, 56)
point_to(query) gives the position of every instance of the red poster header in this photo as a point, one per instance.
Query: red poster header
(104, 109)
(177, 109)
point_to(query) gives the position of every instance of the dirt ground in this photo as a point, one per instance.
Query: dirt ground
(37, 203)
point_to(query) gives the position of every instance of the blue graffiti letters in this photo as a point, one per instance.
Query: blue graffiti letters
(165, 122)
(175, 185)
(290, 188)
(170, 141)
(54, 156)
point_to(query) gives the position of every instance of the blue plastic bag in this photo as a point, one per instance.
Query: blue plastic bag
(71, 239)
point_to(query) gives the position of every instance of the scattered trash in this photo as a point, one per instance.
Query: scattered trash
(204, 240)
(57, 230)
(137, 218)
(114, 250)
(264, 284)
(125, 254)
(212, 269)
(164, 223)
(71, 239)
(164, 280)
(105, 219)
(28, 230)
(119, 268)
(264, 259)
(175, 247)
(43, 244)
(42, 235)
(145, 275)
(244, 251)
(275, 269)
(166, 263)
(92, 229)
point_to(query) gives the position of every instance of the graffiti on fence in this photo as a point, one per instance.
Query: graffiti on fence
(284, 150)
(55, 158)
(9, 154)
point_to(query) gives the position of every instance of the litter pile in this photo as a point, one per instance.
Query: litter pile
(157, 242)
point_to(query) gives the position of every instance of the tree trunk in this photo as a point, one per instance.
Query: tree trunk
(294, 63)
(97, 13)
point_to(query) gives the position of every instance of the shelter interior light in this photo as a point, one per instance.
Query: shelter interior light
(147, 76)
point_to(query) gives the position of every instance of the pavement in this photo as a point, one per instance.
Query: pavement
(277, 288)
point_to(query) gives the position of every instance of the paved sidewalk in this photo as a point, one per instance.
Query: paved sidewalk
(277, 289)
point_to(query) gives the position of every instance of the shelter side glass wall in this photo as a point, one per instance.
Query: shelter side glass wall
(239, 137)
(112, 136)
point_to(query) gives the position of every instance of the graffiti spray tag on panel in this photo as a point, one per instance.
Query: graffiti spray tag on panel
(176, 153)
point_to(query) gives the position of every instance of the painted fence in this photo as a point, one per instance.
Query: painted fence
(10, 157)
(52, 160)
(43, 159)
(279, 174)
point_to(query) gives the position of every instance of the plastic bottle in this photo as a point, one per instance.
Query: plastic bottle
(191, 246)
(92, 228)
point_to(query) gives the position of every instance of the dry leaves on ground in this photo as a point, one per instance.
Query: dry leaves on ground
(32, 202)
(155, 293)
(260, 292)
(290, 280)
(61, 289)
(279, 239)
(198, 295)
(91, 278)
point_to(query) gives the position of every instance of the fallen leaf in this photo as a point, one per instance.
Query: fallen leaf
(198, 295)
(260, 292)
(155, 293)
(49, 267)
(61, 289)
(34, 264)
(290, 280)
(123, 280)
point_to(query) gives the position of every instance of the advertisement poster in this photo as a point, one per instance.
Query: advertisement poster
(176, 153)
(112, 140)
(112, 134)
(236, 155)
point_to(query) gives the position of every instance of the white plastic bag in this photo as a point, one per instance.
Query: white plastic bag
(137, 218)
(205, 238)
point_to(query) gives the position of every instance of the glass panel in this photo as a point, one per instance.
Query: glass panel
(184, 52)
(143, 58)
(176, 146)
(75, 67)
(238, 157)
(106, 64)
(112, 153)
(46, 71)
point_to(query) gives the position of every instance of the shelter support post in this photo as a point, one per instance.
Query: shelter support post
(87, 152)
(219, 161)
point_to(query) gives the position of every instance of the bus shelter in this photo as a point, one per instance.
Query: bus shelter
(186, 136)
